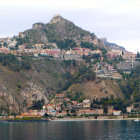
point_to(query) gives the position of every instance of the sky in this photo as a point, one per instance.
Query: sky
(117, 20)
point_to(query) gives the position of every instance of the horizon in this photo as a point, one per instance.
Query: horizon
(117, 20)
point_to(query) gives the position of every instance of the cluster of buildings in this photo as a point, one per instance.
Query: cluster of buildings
(52, 110)
(127, 66)
(125, 55)
(9, 45)
(105, 70)
(37, 50)
(66, 107)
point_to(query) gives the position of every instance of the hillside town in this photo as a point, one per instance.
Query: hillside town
(68, 108)
(102, 68)
(9, 45)
(61, 105)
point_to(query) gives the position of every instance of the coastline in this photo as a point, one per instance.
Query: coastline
(68, 119)
(19, 121)
(87, 119)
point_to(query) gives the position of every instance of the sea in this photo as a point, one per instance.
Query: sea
(71, 130)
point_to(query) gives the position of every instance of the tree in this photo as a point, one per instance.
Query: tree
(38, 104)
(88, 45)
(90, 75)
(105, 109)
(73, 111)
(46, 115)
(11, 61)
(26, 63)
(5, 44)
(66, 44)
(138, 54)
(16, 46)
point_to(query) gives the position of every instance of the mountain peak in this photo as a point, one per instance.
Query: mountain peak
(38, 25)
(57, 18)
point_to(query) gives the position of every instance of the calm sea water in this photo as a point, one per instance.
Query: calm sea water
(71, 130)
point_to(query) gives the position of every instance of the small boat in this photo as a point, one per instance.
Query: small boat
(136, 120)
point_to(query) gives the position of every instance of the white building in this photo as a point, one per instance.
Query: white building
(116, 112)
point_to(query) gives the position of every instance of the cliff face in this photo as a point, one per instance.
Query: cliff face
(19, 89)
(18, 101)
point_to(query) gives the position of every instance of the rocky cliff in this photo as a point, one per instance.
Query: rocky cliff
(19, 89)
(59, 29)
(112, 46)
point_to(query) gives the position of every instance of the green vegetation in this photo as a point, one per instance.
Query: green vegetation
(5, 44)
(28, 118)
(117, 103)
(132, 84)
(37, 104)
(21, 41)
(88, 45)
(104, 51)
(66, 44)
(138, 55)
(13, 63)
(76, 96)
(83, 73)
(88, 58)
(105, 109)
(26, 62)
(60, 117)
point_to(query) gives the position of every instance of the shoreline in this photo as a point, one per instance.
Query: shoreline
(67, 119)
(87, 119)
(18, 121)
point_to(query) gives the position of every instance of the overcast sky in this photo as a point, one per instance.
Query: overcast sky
(117, 20)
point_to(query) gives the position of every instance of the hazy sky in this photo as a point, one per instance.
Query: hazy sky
(117, 20)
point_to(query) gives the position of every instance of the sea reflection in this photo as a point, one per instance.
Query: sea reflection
(71, 130)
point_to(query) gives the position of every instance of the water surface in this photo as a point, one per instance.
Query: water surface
(71, 130)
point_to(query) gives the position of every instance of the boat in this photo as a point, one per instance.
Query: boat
(136, 120)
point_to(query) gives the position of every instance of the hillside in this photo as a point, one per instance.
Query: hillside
(45, 78)
(77, 63)
(100, 88)
(131, 86)
(19, 89)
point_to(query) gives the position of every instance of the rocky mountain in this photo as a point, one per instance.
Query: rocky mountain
(112, 46)
(57, 31)
(20, 87)
(60, 29)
